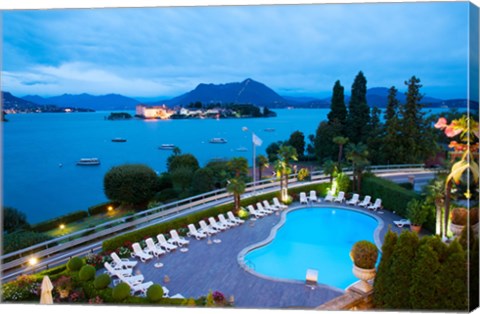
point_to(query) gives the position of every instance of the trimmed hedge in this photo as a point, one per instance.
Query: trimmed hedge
(101, 208)
(182, 222)
(22, 239)
(394, 197)
(54, 223)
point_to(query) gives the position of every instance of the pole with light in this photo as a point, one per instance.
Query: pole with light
(256, 141)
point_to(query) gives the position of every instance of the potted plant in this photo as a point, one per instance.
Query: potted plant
(364, 255)
(417, 214)
(458, 220)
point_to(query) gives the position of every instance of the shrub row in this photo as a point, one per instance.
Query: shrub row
(394, 197)
(54, 223)
(21, 239)
(101, 208)
(182, 222)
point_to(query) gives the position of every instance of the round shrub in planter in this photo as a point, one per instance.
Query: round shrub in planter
(154, 293)
(364, 254)
(87, 273)
(74, 264)
(120, 292)
(102, 281)
(459, 216)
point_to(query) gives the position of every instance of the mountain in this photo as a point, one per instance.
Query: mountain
(246, 92)
(104, 102)
(11, 102)
(378, 96)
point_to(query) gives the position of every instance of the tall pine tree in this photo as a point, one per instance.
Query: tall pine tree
(358, 117)
(391, 141)
(338, 110)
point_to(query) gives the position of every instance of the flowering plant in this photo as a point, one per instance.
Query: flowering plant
(218, 297)
(23, 288)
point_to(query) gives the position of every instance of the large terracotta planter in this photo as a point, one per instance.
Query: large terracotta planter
(456, 229)
(364, 275)
(416, 228)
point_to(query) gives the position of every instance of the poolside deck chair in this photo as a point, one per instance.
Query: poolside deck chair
(112, 272)
(216, 225)
(234, 219)
(225, 221)
(254, 212)
(402, 222)
(164, 244)
(122, 262)
(140, 288)
(206, 228)
(279, 205)
(262, 209)
(267, 206)
(313, 196)
(329, 197)
(377, 205)
(354, 200)
(176, 239)
(134, 280)
(193, 232)
(138, 252)
(365, 202)
(340, 197)
(152, 248)
(303, 198)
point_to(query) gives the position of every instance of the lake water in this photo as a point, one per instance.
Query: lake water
(35, 145)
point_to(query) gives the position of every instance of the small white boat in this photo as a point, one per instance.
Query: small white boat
(167, 146)
(218, 140)
(88, 162)
(241, 149)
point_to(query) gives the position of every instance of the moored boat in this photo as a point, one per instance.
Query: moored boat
(166, 146)
(88, 162)
(119, 140)
(218, 140)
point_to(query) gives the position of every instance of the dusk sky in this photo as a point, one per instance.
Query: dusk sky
(298, 50)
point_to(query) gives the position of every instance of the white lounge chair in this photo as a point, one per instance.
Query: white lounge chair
(329, 197)
(254, 212)
(216, 225)
(152, 248)
(164, 244)
(133, 280)
(206, 228)
(176, 239)
(267, 206)
(279, 205)
(340, 197)
(193, 232)
(377, 205)
(122, 262)
(313, 196)
(234, 219)
(303, 198)
(354, 200)
(112, 272)
(402, 222)
(225, 221)
(142, 287)
(138, 252)
(261, 209)
(366, 201)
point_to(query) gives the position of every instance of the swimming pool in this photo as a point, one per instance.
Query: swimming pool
(317, 238)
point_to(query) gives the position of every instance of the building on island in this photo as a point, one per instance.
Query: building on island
(153, 112)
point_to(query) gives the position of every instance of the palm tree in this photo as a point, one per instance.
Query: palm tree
(262, 162)
(238, 166)
(329, 168)
(340, 141)
(236, 186)
(357, 154)
(286, 154)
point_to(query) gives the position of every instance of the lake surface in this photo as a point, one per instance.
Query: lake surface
(40, 151)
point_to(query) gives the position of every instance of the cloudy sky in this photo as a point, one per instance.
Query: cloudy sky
(296, 50)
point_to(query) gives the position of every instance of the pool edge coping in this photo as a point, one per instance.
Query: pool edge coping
(281, 222)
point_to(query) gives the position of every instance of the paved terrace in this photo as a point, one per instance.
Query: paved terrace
(215, 267)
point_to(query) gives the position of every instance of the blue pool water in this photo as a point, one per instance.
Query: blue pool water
(314, 238)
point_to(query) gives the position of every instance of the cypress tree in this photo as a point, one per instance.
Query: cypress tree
(358, 116)
(392, 138)
(425, 279)
(338, 110)
(375, 137)
(473, 262)
(454, 295)
(383, 281)
(403, 259)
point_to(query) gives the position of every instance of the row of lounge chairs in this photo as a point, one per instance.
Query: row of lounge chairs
(340, 198)
(264, 208)
(122, 268)
(213, 226)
